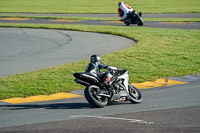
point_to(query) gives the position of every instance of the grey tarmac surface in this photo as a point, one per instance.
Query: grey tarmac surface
(24, 50)
(164, 109)
(145, 15)
(153, 24)
(173, 120)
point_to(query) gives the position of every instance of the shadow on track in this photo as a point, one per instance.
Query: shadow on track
(49, 106)
(57, 106)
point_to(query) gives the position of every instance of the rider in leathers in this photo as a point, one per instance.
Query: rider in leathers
(95, 65)
(124, 10)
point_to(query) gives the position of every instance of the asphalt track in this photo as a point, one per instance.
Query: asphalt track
(153, 24)
(164, 109)
(24, 50)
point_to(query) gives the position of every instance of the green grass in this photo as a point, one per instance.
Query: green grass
(58, 17)
(159, 53)
(98, 6)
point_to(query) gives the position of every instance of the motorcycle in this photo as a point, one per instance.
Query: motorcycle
(98, 94)
(134, 18)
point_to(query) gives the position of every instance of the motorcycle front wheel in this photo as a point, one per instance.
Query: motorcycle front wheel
(135, 95)
(91, 94)
(139, 20)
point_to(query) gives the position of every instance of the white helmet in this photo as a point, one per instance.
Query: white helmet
(95, 58)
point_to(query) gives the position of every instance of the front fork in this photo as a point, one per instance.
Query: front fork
(126, 84)
(127, 90)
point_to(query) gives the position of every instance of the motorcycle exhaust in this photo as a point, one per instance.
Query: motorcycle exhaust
(105, 95)
(81, 82)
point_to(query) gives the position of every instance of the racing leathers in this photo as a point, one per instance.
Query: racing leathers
(93, 68)
(124, 10)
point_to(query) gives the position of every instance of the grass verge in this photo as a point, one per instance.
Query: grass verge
(102, 6)
(159, 53)
(57, 17)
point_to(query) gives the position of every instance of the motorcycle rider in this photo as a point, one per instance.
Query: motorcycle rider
(123, 11)
(93, 68)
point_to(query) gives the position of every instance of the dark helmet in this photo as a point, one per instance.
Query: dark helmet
(119, 4)
(95, 58)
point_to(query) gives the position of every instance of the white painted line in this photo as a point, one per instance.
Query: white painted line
(112, 118)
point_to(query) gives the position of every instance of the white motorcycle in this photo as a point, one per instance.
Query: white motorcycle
(134, 18)
(119, 89)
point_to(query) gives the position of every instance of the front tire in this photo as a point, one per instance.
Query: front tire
(139, 20)
(91, 95)
(135, 95)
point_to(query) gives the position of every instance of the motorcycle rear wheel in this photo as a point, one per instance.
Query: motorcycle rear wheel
(135, 95)
(91, 95)
(127, 23)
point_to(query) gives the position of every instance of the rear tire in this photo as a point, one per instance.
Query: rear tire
(91, 95)
(135, 95)
(127, 23)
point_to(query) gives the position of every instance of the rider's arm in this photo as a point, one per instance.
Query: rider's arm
(112, 68)
(123, 17)
(103, 66)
